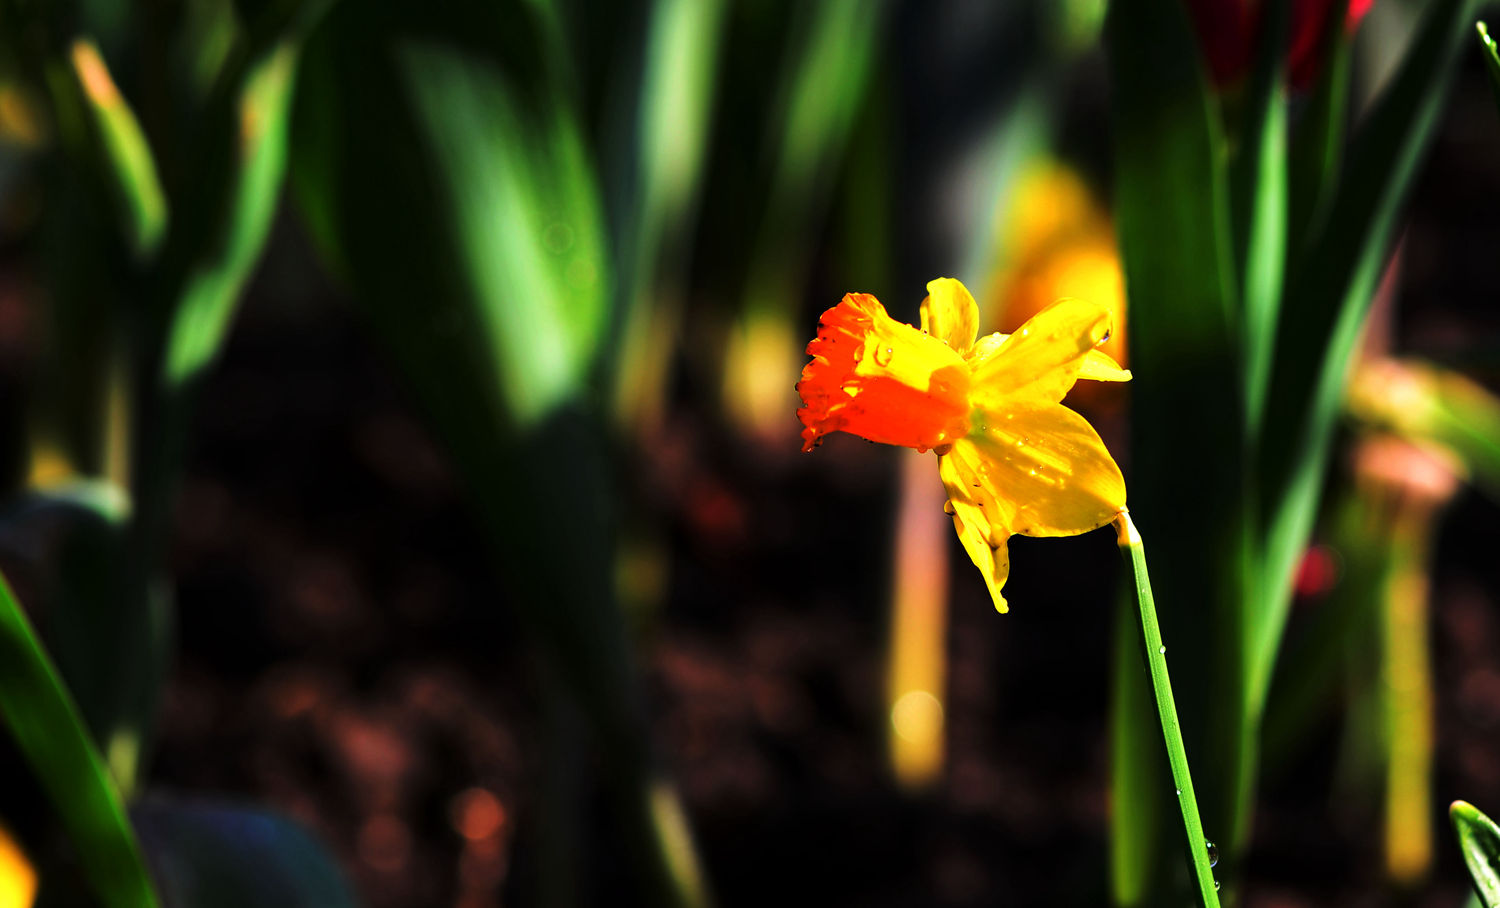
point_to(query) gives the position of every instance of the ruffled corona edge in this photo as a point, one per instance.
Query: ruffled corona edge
(835, 352)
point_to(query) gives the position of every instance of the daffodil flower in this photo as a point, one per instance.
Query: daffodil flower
(1012, 458)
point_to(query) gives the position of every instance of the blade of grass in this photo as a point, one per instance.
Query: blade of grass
(46, 726)
(1194, 844)
(1480, 840)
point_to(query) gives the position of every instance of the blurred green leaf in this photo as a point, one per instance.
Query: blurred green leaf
(824, 78)
(211, 855)
(108, 658)
(527, 224)
(1318, 142)
(443, 169)
(125, 157)
(1331, 293)
(240, 161)
(1480, 840)
(40, 716)
(1172, 206)
(1258, 193)
(1491, 53)
(664, 151)
(113, 615)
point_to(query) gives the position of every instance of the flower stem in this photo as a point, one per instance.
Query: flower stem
(1166, 708)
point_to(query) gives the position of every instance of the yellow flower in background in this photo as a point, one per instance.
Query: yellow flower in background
(17, 876)
(1055, 240)
(1012, 458)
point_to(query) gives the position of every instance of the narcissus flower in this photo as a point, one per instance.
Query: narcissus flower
(1012, 458)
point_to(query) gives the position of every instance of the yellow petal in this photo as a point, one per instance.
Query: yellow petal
(1042, 359)
(950, 314)
(1036, 470)
(972, 505)
(1100, 366)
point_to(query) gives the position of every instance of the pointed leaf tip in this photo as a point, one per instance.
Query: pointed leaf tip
(1480, 840)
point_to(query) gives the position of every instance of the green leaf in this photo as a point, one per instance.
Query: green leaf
(664, 153)
(111, 659)
(125, 156)
(1491, 53)
(1258, 187)
(527, 224)
(1318, 142)
(1331, 295)
(210, 855)
(1480, 840)
(240, 164)
(39, 714)
(444, 168)
(1172, 206)
(822, 83)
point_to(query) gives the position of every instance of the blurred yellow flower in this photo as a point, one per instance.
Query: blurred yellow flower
(1011, 457)
(1054, 240)
(17, 876)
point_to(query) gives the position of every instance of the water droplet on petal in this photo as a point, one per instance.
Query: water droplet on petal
(1179, 792)
(1213, 853)
(883, 356)
(859, 353)
(948, 508)
(1103, 340)
(1162, 650)
(1217, 884)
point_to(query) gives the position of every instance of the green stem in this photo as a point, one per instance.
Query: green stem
(49, 732)
(1166, 708)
